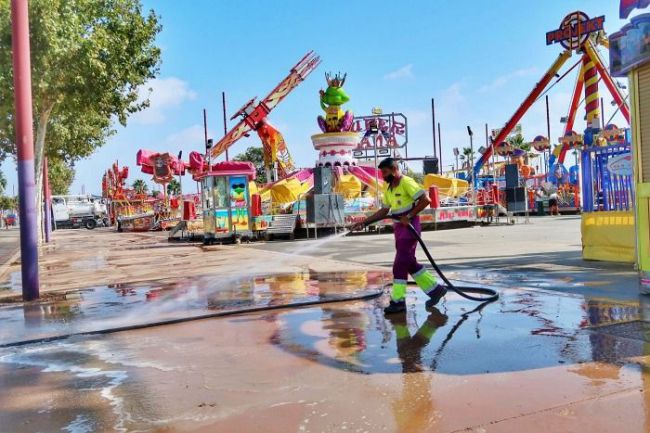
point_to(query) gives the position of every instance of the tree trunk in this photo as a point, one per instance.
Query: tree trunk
(39, 152)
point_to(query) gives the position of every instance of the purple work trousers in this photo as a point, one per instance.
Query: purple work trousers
(405, 245)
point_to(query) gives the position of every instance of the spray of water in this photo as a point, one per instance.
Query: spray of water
(313, 245)
(193, 300)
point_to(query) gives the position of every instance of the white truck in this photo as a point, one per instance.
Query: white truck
(76, 211)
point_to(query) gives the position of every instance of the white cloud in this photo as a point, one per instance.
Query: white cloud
(451, 103)
(163, 93)
(505, 79)
(405, 71)
(190, 138)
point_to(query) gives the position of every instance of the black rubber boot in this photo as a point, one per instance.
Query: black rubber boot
(395, 307)
(435, 295)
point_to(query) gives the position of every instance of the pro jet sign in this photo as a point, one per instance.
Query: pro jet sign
(575, 30)
(382, 131)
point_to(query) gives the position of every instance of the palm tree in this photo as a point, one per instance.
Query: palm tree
(468, 153)
(517, 142)
(140, 186)
(173, 187)
(3, 182)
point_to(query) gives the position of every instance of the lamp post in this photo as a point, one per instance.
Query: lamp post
(180, 183)
(25, 149)
(471, 163)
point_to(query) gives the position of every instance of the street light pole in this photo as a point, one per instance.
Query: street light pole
(225, 123)
(471, 163)
(25, 149)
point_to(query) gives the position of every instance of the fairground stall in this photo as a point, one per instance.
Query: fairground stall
(630, 57)
(226, 198)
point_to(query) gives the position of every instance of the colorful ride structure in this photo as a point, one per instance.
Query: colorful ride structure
(129, 209)
(600, 181)
(331, 100)
(577, 33)
(254, 118)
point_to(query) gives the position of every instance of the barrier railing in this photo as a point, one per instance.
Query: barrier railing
(607, 183)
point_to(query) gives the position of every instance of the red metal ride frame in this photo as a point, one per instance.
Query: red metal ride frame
(537, 90)
(298, 73)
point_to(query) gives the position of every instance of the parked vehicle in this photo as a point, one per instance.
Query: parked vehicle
(76, 211)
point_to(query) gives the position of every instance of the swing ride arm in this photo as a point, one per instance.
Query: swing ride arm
(534, 94)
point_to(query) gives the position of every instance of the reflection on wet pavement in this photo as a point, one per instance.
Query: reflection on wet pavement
(123, 305)
(189, 376)
(524, 330)
(581, 280)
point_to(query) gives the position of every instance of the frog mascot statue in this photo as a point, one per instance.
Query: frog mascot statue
(331, 100)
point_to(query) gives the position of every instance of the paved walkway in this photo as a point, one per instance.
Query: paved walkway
(9, 248)
(546, 254)
(536, 360)
(79, 259)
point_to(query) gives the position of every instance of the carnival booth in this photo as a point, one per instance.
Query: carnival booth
(630, 57)
(226, 200)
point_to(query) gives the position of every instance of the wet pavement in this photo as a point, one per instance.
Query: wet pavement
(531, 359)
(536, 360)
(107, 308)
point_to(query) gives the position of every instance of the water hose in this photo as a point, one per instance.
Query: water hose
(370, 294)
(464, 291)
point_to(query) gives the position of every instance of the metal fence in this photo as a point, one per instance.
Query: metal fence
(607, 183)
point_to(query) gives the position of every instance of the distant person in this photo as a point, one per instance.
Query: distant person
(553, 204)
(404, 199)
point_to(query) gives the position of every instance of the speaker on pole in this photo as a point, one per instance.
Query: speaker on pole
(430, 165)
(512, 176)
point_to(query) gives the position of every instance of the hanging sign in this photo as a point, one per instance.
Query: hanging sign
(620, 165)
(575, 30)
(389, 130)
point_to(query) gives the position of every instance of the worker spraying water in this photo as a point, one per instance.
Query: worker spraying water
(403, 200)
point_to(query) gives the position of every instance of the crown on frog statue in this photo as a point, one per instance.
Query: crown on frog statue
(337, 81)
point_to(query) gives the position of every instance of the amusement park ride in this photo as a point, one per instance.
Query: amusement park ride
(344, 186)
(582, 35)
(254, 118)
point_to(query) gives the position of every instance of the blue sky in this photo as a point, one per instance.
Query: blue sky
(478, 61)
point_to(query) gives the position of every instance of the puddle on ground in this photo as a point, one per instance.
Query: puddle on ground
(523, 330)
(123, 305)
(142, 381)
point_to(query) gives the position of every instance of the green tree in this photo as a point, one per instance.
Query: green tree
(3, 182)
(89, 58)
(418, 177)
(256, 156)
(173, 187)
(517, 142)
(8, 203)
(140, 186)
(155, 193)
(468, 152)
(467, 155)
(60, 175)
